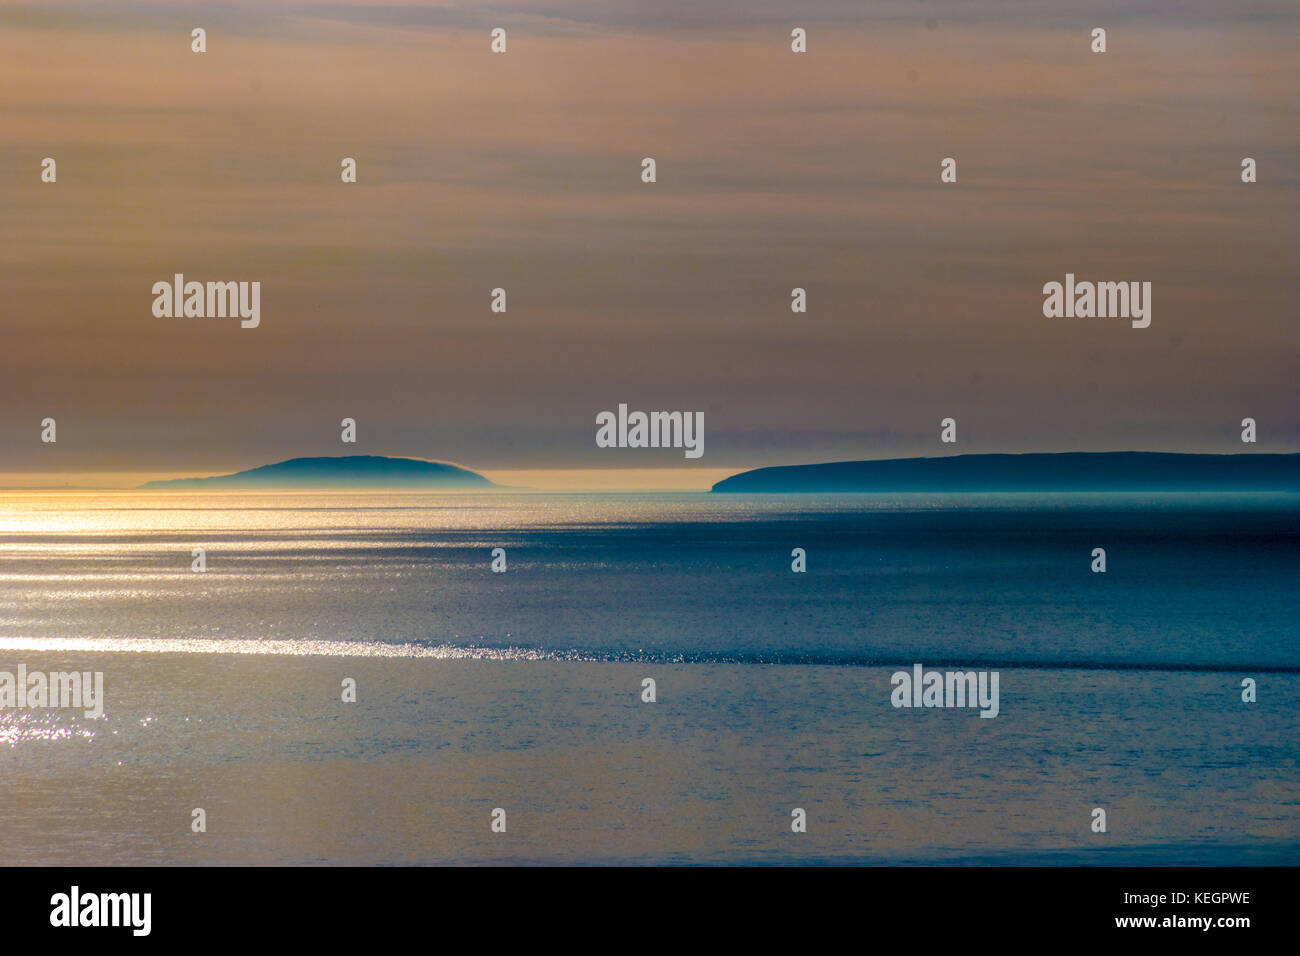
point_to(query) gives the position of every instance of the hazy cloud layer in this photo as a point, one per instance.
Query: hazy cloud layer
(522, 171)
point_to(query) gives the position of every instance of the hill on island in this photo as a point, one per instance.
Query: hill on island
(352, 471)
(1071, 471)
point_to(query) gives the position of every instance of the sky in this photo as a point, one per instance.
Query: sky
(522, 171)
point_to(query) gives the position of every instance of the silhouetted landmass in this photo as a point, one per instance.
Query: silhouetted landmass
(1072, 471)
(353, 471)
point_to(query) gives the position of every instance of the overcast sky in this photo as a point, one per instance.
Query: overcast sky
(522, 171)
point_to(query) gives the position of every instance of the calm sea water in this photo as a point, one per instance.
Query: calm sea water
(521, 690)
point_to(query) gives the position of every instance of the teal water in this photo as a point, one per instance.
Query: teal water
(1119, 690)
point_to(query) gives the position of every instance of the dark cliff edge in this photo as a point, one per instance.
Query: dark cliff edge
(1071, 471)
(355, 471)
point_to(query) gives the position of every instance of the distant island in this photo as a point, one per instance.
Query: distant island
(1071, 471)
(353, 471)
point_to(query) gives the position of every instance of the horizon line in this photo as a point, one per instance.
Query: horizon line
(609, 479)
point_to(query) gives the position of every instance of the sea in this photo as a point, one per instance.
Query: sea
(645, 678)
